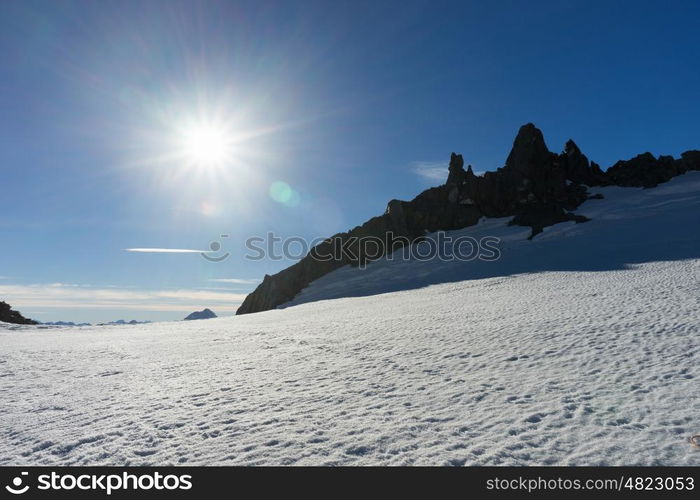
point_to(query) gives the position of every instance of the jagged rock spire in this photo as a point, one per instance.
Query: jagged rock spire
(577, 167)
(529, 151)
(571, 149)
(456, 169)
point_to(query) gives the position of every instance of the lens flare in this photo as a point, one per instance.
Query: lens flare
(282, 193)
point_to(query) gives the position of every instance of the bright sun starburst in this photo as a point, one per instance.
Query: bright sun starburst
(206, 145)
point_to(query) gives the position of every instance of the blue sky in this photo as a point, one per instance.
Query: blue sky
(350, 104)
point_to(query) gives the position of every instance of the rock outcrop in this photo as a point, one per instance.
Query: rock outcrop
(8, 315)
(578, 169)
(647, 171)
(536, 187)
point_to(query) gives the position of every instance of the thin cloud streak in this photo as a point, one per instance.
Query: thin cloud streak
(433, 171)
(436, 171)
(164, 250)
(61, 296)
(236, 281)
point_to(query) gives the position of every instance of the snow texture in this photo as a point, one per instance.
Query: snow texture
(579, 347)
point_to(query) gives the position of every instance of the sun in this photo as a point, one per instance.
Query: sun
(206, 145)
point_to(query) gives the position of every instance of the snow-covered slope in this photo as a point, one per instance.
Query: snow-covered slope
(591, 360)
(627, 226)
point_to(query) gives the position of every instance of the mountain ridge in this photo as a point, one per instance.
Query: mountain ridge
(536, 187)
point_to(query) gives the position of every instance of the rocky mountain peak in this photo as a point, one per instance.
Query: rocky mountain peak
(536, 188)
(529, 151)
(203, 314)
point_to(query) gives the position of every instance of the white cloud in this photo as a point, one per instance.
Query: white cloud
(236, 281)
(62, 296)
(436, 171)
(164, 250)
(432, 171)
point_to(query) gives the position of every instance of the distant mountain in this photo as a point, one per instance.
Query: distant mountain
(9, 316)
(204, 314)
(124, 322)
(536, 188)
(63, 323)
(71, 323)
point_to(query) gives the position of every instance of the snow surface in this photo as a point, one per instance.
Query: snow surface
(591, 360)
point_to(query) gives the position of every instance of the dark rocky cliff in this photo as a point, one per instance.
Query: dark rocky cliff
(537, 187)
(8, 315)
